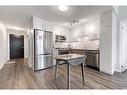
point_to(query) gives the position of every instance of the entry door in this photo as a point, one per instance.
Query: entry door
(16, 46)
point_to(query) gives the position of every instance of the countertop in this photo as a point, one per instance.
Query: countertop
(77, 49)
(60, 48)
(83, 49)
(69, 56)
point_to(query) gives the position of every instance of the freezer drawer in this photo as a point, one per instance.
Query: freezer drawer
(43, 61)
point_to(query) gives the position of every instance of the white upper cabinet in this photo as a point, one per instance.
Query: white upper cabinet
(37, 23)
(49, 26)
(75, 34)
(42, 24)
(83, 31)
(106, 19)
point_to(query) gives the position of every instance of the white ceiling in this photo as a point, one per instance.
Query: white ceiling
(21, 16)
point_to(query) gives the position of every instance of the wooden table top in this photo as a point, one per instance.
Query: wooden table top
(69, 56)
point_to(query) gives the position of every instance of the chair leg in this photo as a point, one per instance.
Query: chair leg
(82, 67)
(56, 68)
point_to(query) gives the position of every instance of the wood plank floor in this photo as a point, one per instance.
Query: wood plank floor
(20, 76)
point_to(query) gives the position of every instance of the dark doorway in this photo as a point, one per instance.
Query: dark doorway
(16, 46)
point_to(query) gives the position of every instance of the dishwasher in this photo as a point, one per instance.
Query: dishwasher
(93, 58)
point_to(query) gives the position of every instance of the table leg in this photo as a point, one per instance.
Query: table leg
(82, 67)
(56, 68)
(68, 75)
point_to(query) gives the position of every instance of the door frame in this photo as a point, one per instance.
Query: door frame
(9, 43)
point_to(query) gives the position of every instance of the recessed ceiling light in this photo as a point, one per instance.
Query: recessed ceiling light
(63, 7)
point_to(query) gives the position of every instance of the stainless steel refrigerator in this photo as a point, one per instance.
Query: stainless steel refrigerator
(42, 49)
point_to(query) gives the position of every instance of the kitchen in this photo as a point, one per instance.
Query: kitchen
(84, 39)
(79, 43)
(78, 37)
(83, 31)
(81, 36)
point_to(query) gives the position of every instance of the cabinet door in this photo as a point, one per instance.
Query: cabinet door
(106, 19)
(49, 26)
(75, 34)
(42, 24)
(37, 23)
(105, 48)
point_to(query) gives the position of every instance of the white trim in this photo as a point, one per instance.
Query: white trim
(25, 42)
(2, 64)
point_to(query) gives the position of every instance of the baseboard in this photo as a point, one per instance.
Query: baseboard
(1, 65)
(30, 63)
(117, 70)
(110, 73)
